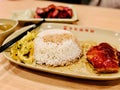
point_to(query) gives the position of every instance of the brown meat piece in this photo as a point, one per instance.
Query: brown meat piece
(104, 58)
(53, 11)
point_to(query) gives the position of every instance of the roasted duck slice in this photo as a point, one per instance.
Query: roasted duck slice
(53, 11)
(104, 58)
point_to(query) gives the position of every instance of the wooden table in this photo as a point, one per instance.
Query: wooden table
(14, 77)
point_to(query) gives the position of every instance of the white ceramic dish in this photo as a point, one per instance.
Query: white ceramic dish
(77, 70)
(28, 16)
(7, 32)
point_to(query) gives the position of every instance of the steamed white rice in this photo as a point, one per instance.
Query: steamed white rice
(56, 48)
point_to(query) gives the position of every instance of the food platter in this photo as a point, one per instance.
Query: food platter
(27, 16)
(79, 69)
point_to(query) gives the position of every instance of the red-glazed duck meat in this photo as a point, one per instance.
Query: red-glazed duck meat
(104, 58)
(53, 11)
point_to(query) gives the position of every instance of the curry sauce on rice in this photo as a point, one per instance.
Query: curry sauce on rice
(56, 48)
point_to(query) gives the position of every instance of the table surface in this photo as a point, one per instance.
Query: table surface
(14, 77)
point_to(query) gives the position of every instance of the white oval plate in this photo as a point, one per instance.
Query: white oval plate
(28, 16)
(78, 69)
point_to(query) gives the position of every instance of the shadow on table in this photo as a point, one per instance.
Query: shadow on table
(61, 81)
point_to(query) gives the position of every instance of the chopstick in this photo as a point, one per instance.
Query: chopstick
(9, 43)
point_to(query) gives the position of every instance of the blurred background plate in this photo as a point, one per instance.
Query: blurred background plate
(28, 16)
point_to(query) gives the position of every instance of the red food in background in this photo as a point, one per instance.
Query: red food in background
(104, 58)
(53, 11)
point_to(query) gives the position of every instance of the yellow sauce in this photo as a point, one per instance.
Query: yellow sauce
(4, 27)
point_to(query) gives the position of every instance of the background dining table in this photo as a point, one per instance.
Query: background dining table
(14, 77)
